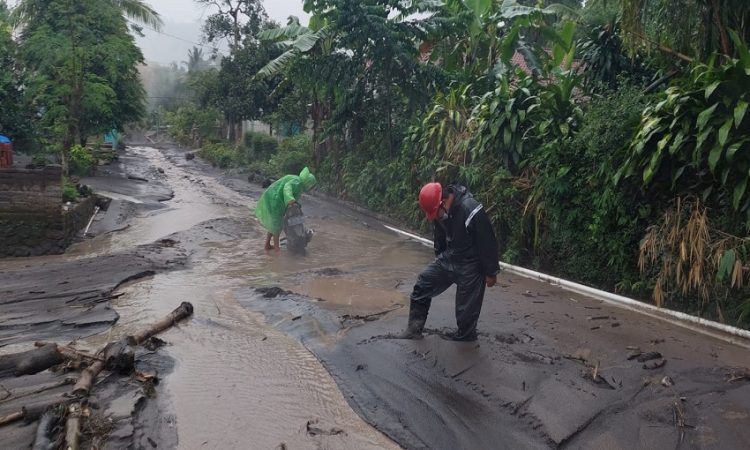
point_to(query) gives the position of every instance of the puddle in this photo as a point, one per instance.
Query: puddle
(350, 293)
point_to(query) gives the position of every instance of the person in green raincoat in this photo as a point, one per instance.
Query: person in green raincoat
(273, 203)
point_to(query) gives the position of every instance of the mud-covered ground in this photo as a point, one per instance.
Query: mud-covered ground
(292, 351)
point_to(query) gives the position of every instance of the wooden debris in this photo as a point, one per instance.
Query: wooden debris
(69, 352)
(10, 418)
(183, 311)
(38, 360)
(146, 377)
(73, 427)
(738, 375)
(84, 383)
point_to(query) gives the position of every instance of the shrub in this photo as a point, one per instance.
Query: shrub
(190, 122)
(294, 154)
(222, 155)
(260, 146)
(81, 161)
(69, 192)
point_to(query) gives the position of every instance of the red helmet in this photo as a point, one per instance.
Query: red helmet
(429, 199)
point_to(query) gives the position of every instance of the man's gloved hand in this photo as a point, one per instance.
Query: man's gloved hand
(490, 280)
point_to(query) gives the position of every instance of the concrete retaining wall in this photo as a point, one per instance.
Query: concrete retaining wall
(32, 219)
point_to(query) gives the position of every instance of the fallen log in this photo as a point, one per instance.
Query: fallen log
(34, 412)
(86, 380)
(183, 311)
(10, 418)
(73, 427)
(69, 352)
(38, 360)
(116, 356)
(31, 413)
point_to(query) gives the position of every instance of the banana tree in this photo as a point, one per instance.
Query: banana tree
(304, 47)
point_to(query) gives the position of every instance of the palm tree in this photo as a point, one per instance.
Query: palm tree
(195, 60)
(141, 12)
(136, 10)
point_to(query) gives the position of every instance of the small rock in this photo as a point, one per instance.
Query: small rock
(190, 156)
(649, 356)
(271, 291)
(667, 382)
(160, 170)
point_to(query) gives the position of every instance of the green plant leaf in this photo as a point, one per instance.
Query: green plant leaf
(664, 141)
(739, 112)
(701, 139)
(704, 116)
(732, 150)
(739, 192)
(479, 7)
(726, 265)
(724, 132)
(711, 88)
(677, 143)
(714, 156)
(653, 167)
(677, 174)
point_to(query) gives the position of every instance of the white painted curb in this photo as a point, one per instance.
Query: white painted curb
(733, 335)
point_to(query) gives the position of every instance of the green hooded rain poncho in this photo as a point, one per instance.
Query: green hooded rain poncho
(274, 201)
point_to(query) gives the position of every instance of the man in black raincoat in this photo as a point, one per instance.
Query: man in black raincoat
(466, 251)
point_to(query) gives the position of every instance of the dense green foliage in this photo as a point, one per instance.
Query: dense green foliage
(72, 71)
(81, 161)
(608, 142)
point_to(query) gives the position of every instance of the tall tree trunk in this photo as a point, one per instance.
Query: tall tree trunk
(726, 46)
(389, 106)
(317, 118)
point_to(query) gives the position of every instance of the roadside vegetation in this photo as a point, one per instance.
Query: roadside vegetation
(610, 143)
(70, 72)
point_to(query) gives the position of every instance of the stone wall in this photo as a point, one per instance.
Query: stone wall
(32, 220)
(31, 191)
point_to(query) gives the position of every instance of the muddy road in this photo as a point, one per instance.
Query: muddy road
(292, 352)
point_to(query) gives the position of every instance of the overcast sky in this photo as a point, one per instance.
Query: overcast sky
(182, 22)
(187, 11)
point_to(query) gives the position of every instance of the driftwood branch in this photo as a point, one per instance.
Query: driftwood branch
(183, 311)
(73, 427)
(10, 418)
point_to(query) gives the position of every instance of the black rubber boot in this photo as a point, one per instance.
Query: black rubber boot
(417, 318)
(457, 336)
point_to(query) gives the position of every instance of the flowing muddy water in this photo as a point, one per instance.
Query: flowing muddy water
(238, 382)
